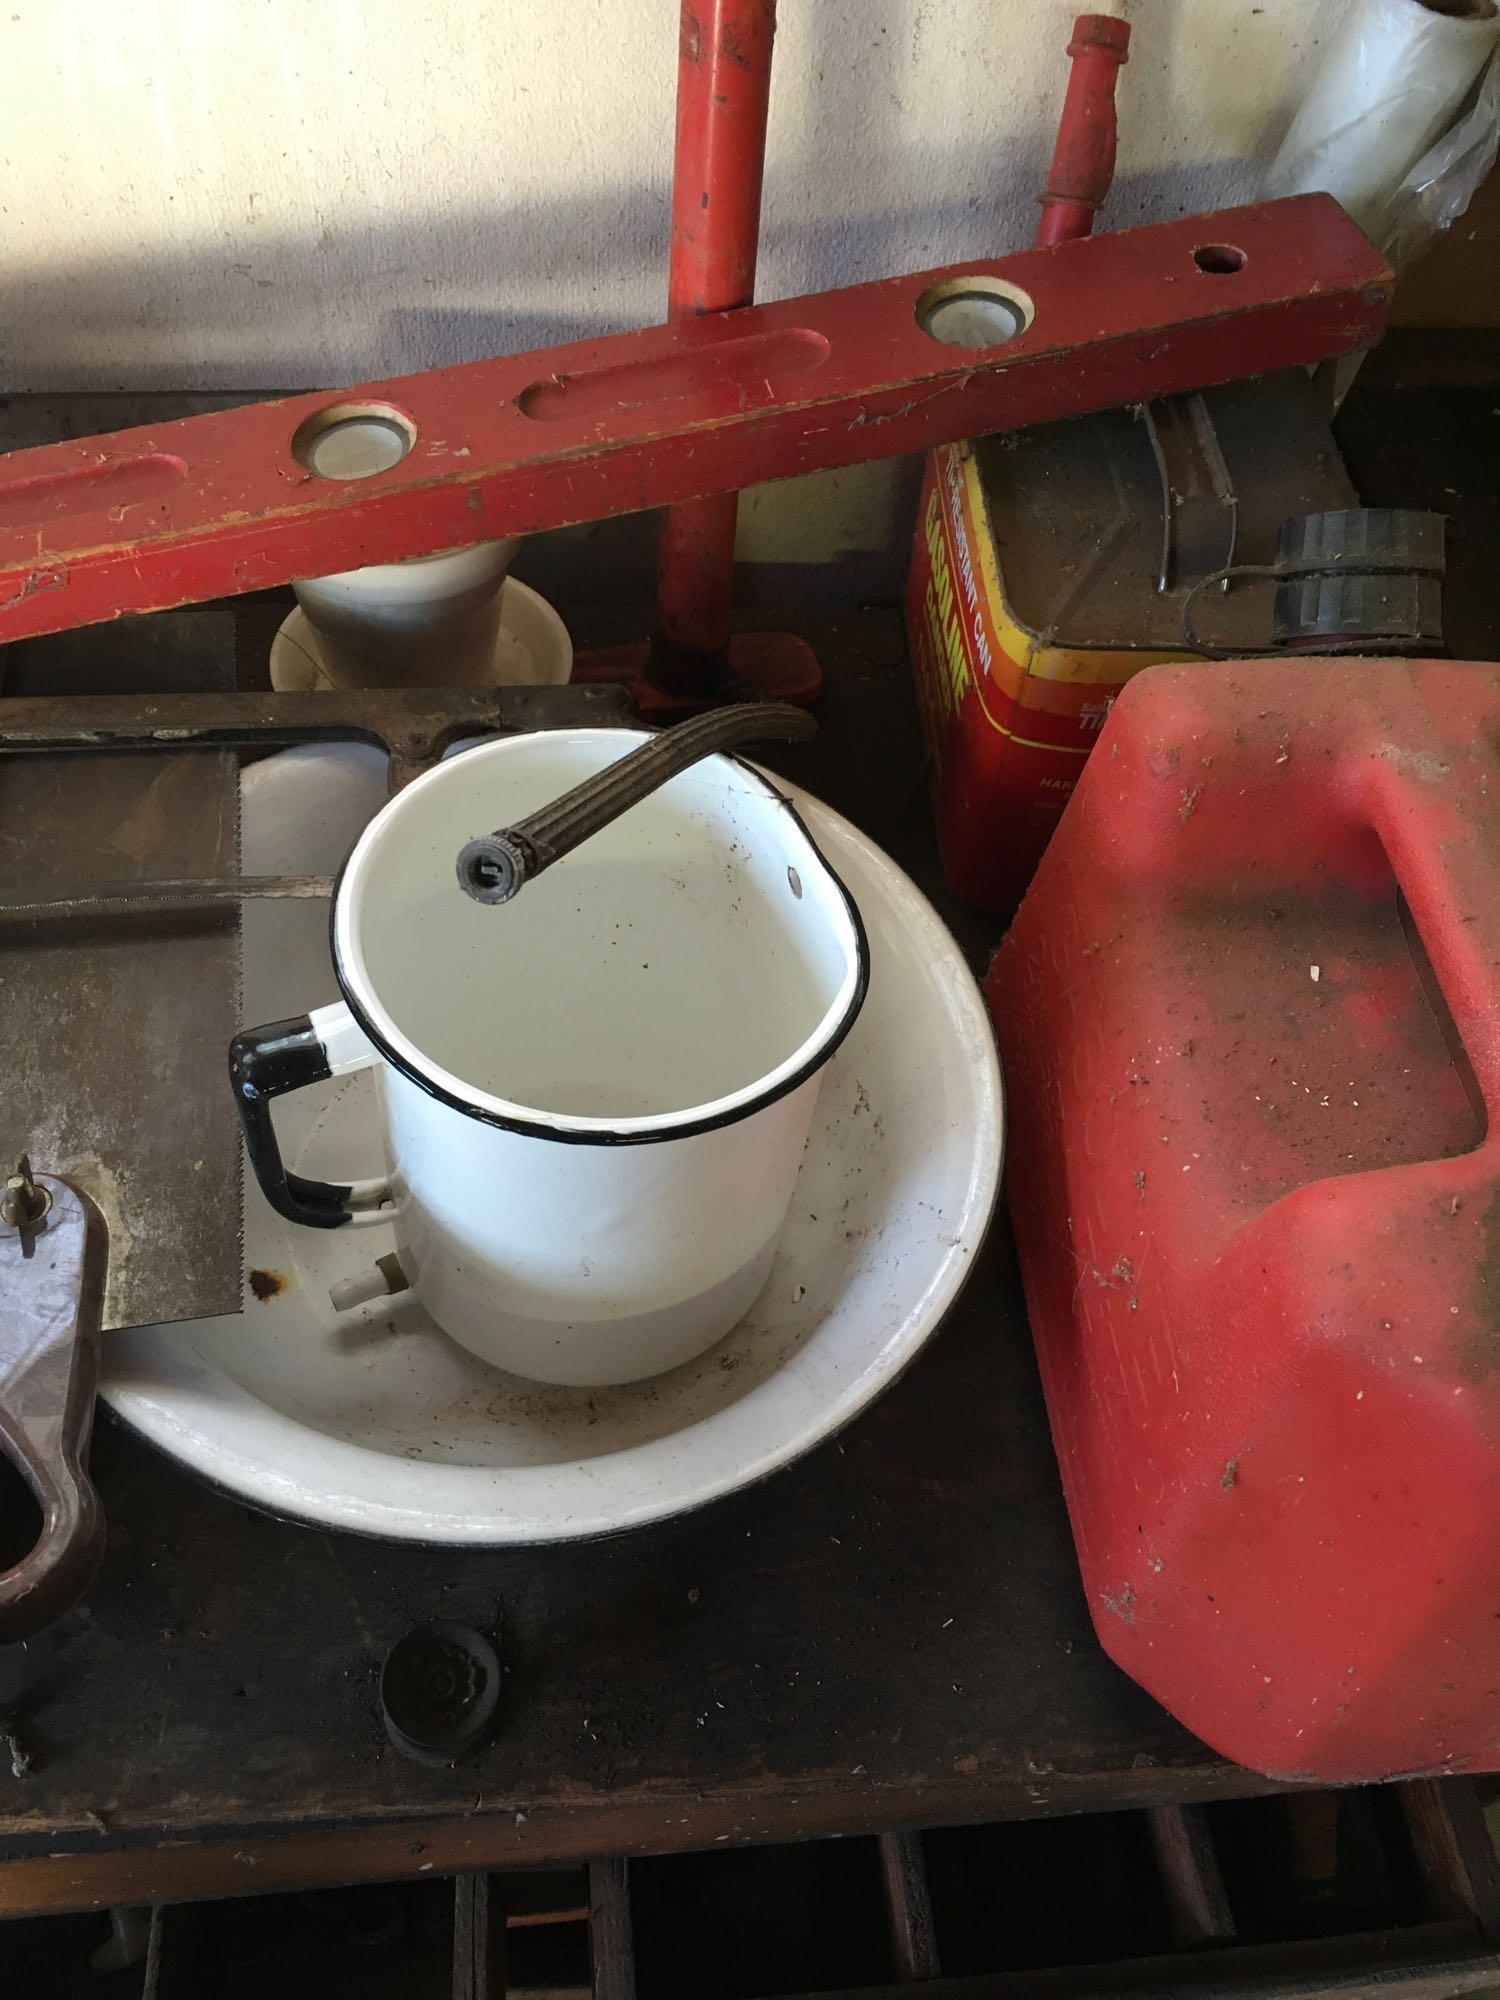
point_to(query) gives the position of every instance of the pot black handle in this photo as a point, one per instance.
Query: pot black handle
(266, 1063)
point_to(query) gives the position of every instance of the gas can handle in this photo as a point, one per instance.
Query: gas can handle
(495, 866)
(1439, 825)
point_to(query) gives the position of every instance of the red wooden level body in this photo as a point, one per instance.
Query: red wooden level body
(209, 506)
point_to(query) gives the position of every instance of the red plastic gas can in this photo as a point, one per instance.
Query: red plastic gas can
(1250, 1012)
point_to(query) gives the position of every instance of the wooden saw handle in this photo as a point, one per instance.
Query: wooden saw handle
(51, 1296)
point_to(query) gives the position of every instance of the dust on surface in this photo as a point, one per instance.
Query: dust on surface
(1480, 1352)
(110, 1193)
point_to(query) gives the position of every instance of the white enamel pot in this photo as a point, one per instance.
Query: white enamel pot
(594, 1099)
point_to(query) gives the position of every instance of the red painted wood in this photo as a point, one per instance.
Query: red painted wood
(1083, 159)
(723, 91)
(723, 96)
(208, 506)
(1254, 1174)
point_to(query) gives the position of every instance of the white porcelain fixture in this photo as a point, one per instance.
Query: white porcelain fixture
(532, 646)
(431, 622)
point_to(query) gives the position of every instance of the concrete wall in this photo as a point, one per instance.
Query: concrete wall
(246, 194)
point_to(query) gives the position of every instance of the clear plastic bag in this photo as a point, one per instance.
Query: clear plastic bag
(1446, 178)
(1377, 128)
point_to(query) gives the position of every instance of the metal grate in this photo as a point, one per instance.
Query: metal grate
(1392, 1888)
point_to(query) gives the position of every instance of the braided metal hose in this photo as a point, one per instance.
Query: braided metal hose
(495, 866)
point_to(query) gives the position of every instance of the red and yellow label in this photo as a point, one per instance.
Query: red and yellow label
(1008, 720)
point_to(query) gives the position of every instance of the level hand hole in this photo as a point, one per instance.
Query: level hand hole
(1220, 260)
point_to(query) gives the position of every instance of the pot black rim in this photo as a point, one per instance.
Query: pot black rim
(535, 1128)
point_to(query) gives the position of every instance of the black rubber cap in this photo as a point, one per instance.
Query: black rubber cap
(1365, 539)
(439, 1689)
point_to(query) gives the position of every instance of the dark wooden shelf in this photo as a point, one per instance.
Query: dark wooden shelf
(889, 1634)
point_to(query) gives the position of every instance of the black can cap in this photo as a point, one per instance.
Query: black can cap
(439, 1689)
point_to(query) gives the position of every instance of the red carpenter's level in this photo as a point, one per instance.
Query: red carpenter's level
(242, 499)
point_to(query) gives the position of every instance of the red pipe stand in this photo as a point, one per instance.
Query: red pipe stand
(1083, 160)
(723, 97)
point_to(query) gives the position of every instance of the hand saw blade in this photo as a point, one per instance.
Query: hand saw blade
(113, 1035)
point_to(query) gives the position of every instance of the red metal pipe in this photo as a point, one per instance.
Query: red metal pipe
(1083, 160)
(723, 93)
